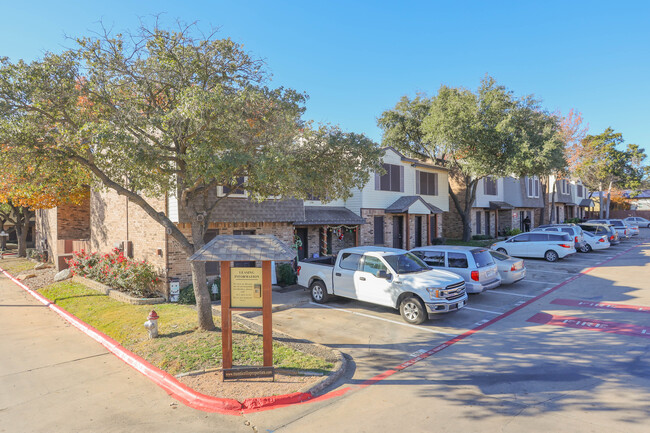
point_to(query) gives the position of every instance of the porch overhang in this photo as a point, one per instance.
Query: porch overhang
(412, 204)
(500, 205)
(586, 202)
(325, 215)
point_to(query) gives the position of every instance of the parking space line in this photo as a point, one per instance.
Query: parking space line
(536, 281)
(546, 272)
(499, 292)
(419, 328)
(482, 311)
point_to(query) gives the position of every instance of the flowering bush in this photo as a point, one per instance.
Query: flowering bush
(116, 271)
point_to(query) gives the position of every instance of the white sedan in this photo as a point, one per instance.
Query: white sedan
(639, 221)
(549, 246)
(595, 242)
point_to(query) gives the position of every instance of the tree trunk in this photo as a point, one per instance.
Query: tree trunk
(199, 282)
(465, 209)
(544, 188)
(554, 216)
(609, 199)
(600, 201)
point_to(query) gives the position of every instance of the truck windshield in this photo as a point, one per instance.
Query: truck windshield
(406, 263)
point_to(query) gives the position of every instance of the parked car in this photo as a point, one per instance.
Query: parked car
(475, 265)
(384, 276)
(549, 246)
(602, 229)
(623, 230)
(596, 242)
(641, 222)
(511, 269)
(572, 229)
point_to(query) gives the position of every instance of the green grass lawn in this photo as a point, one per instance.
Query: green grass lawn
(16, 265)
(180, 347)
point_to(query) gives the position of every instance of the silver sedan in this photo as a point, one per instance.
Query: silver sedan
(511, 269)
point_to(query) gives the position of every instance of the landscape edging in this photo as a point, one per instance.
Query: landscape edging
(116, 294)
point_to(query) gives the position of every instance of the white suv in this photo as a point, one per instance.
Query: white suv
(549, 246)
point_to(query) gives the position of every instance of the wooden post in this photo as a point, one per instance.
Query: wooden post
(408, 231)
(429, 229)
(226, 320)
(267, 322)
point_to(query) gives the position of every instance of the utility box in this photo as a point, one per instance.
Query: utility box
(174, 289)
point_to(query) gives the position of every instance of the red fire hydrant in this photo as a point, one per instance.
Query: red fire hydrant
(152, 324)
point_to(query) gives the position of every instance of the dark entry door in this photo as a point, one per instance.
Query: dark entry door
(303, 250)
(244, 264)
(398, 231)
(418, 231)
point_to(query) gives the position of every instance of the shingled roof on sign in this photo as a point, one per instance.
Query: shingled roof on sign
(586, 202)
(231, 248)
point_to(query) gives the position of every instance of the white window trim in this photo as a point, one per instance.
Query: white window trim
(534, 187)
(220, 192)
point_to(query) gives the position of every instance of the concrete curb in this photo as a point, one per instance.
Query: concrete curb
(170, 384)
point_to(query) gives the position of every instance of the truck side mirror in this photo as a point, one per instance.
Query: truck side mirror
(384, 275)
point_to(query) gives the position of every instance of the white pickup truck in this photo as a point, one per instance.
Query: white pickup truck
(384, 276)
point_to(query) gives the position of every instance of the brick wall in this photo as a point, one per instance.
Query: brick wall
(73, 221)
(452, 227)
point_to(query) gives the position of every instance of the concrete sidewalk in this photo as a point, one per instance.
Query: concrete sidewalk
(54, 378)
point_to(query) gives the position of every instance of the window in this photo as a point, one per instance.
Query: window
(457, 260)
(478, 222)
(432, 258)
(237, 191)
(522, 238)
(393, 180)
(490, 186)
(350, 261)
(373, 265)
(538, 237)
(564, 186)
(532, 187)
(379, 230)
(482, 258)
(211, 268)
(426, 183)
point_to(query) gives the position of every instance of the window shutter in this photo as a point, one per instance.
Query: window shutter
(377, 182)
(536, 182)
(485, 186)
(435, 183)
(417, 181)
(527, 181)
(401, 178)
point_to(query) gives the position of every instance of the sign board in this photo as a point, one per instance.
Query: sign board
(248, 372)
(174, 290)
(246, 287)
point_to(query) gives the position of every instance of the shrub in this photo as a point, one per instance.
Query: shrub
(438, 241)
(481, 237)
(186, 294)
(286, 275)
(38, 255)
(116, 271)
(512, 232)
(573, 221)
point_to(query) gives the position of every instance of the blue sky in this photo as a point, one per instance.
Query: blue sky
(356, 59)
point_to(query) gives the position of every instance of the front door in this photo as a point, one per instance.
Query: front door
(303, 250)
(418, 231)
(398, 231)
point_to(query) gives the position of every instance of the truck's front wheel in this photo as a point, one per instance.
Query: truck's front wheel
(318, 292)
(412, 310)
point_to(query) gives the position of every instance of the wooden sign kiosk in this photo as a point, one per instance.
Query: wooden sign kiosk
(245, 289)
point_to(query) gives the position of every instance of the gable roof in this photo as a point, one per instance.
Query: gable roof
(324, 215)
(231, 248)
(402, 204)
(415, 162)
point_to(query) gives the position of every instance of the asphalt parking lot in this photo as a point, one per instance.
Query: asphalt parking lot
(375, 338)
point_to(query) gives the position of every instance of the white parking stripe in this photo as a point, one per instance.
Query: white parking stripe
(499, 292)
(482, 311)
(419, 328)
(546, 272)
(536, 281)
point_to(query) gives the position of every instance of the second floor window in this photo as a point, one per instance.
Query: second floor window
(393, 180)
(579, 192)
(490, 186)
(564, 186)
(426, 183)
(532, 187)
(237, 190)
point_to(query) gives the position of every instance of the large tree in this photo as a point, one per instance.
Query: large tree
(162, 111)
(476, 134)
(600, 163)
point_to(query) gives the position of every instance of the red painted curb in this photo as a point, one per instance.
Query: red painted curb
(169, 383)
(206, 403)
